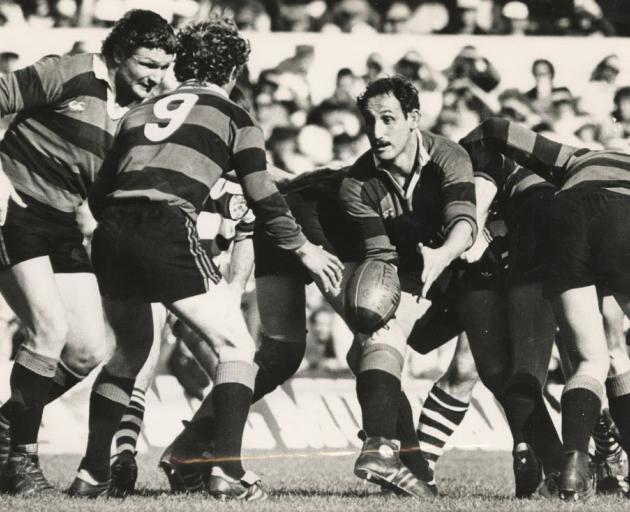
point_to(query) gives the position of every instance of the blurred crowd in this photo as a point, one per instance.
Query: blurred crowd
(538, 17)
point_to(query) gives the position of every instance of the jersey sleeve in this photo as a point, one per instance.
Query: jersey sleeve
(270, 208)
(364, 215)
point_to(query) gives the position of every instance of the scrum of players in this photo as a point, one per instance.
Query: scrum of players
(503, 240)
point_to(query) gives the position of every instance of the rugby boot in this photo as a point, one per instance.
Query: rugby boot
(187, 461)
(24, 476)
(379, 463)
(577, 481)
(224, 487)
(609, 474)
(410, 459)
(85, 486)
(124, 474)
(551, 486)
(528, 472)
(5, 451)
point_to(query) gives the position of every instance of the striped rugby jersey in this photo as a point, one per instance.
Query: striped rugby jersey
(66, 120)
(564, 166)
(392, 220)
(173, 149)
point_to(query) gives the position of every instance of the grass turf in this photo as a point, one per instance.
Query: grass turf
(468, 480)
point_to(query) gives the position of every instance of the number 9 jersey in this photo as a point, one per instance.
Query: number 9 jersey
(173, 148)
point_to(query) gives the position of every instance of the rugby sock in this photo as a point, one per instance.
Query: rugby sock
(409, 446)
(520, 397)
(606, 445)
(64, 380)
(108, 401)
(31, 380)
(231, 396)
(378, 389)
(618, 390)
(131, 423)
(545, 439)
(581, 404)
(441, 415)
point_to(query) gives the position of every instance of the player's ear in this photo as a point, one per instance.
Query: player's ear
(413, 119)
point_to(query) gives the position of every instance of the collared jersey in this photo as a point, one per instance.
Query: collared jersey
(564, 166)
(172, 149)
(65, 123)
(392, 220)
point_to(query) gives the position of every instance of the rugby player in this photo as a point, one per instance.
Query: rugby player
(586, 247)
(69, 108)
(168, 154)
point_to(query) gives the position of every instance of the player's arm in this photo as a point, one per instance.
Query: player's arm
(272, 211)
(459, 215)
(485, 192)
(363, 213)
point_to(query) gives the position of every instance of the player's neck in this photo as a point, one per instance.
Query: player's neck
(206, 85)
(405, 162)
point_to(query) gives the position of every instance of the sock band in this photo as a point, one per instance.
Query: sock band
(383, 357)
(236, 372)
(618, 385)
(64, 375)
(585, 382)
(116, 389)
(35, 362)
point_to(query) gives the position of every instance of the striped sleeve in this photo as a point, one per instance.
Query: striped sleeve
(458, 189)
(364, 215)
(497, 136)
(43, 83)
(270, 208)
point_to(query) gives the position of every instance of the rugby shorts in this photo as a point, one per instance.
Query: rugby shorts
(588, 241)
(40, 230)
(150, 251)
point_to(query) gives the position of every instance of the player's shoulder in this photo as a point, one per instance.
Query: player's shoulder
(444, 151)
(236, 114)
(363, 169)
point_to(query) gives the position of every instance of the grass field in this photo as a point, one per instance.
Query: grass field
(468, 480)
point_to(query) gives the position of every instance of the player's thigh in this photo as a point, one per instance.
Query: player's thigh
(282, 307)
(582, 331)
(532, 329)
(31, 291)
(86, 344)
(217, 317)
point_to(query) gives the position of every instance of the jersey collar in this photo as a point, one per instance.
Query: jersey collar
(210, 87)
(101, 72)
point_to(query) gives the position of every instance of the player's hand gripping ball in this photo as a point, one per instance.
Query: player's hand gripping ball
(372, 296)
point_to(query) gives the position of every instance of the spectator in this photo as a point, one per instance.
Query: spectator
(354, 17)
(346, 88)
(566, 120)
(374, 68)
(471, 65)
(8, 62)
(396, 18)
(597, 99)
(316, 144)
(540, 95)
(618, 128)
(516, 15)
(464, 20)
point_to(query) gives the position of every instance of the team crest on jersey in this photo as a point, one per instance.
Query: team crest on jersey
(237, 207)
(77, 106)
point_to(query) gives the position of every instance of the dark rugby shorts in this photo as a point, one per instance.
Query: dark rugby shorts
(151, 251)
(588, 241)
(528, 219)
(323, 223)
(40, 230)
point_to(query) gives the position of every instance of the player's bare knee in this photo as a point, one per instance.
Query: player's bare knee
(83, 360)
(391, 335)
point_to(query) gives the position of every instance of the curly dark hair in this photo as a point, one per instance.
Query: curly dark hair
(209, 51)
(138, 28)
(401, 88)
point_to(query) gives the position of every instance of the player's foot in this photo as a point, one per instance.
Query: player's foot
(85, 486)
(224, 487)
(380, 464)
(528, 471)
(609, 475)
(124, 474)
(5, 451)
(24, 476)
(187, 461)
(577, 482)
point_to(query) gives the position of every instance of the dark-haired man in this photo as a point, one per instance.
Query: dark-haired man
(411, 197)
(69, 108)
(168, 154)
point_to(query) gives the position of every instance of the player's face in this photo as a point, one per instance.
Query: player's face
(141, 72)
(389, 130)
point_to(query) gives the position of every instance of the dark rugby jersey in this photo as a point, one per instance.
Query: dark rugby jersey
(392, 220)
(564, 166)
(66, 121)
(173, 148)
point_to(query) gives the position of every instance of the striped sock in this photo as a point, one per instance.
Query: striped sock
(441, 414)
(131, 423)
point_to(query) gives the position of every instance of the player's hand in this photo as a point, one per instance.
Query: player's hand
(85, 220)
(7, 193)
(325, 267)
(477, 249)
(434, 263)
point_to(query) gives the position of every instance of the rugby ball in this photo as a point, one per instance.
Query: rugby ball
(372, 296)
